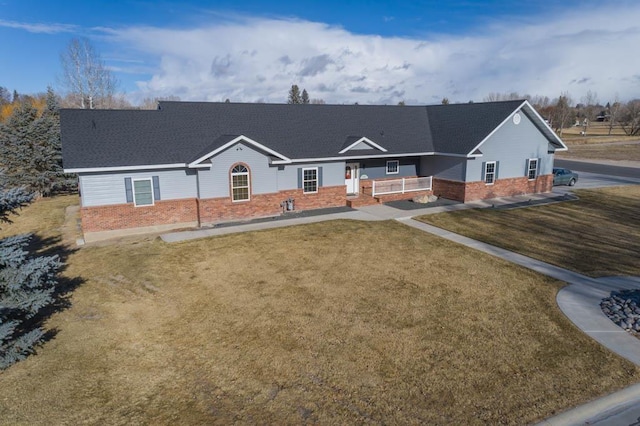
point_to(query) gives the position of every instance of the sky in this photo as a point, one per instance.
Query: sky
(369, 52)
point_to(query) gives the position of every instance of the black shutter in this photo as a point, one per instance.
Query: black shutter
(156, 188)
(128, 190)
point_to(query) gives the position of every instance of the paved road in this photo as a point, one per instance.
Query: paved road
(601, 169)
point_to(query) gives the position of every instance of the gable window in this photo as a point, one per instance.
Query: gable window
(310, 180)
(393, 167)
(240, 183)
(532, 168)
(142, 192)
(490, 172)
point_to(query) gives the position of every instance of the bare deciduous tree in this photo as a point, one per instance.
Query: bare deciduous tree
(590, 103)
(86, 79)
(494, 97)
(614, 113)
(629, 118)
(563, 113)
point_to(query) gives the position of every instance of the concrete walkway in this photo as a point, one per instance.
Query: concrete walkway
(367, 213)
(579, 301)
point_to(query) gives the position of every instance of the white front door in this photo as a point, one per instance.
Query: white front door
(352, 177)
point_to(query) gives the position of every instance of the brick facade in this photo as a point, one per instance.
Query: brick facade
(472, 191)
(191, 210)
(124, 216)
(223, 209)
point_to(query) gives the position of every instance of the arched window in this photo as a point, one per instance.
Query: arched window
(240, 183)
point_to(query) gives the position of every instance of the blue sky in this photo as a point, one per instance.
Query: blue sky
(340, 51)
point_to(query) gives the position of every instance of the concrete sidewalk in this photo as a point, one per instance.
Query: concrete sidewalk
(367, 213)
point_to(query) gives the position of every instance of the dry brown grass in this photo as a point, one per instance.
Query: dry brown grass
(599, 235)
(630, 152)
(596, 128)
(337, 322)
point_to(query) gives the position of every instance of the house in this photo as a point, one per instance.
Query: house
(198, 163)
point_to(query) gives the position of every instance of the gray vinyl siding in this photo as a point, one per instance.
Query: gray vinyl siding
(451, 168)
(361, 146)
(214, 182)
(264, 178)
(511, 146)
(377, 168)
(101, 189)
(332, 174)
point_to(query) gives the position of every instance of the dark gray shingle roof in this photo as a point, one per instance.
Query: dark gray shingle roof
(180, 132)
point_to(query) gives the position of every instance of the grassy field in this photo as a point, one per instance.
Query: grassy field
(599, 235)
(337, 322)
(595, 129)
(628, 152)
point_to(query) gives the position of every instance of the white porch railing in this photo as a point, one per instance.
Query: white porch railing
(400, 186)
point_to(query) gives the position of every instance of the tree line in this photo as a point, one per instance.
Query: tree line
(563, 111)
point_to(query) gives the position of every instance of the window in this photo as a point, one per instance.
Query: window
(532, 168)
(309, 180)
(393, 167)
(142, 192)
(490, 173)
(239, 183)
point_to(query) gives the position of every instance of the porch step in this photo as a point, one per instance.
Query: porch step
(361, 200)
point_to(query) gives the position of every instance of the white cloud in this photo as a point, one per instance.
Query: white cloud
(39, 28)
(259, 59)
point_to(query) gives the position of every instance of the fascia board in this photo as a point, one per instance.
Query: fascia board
(125, 168)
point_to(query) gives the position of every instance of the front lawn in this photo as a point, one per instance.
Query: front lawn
(598, 235)
(338, 323)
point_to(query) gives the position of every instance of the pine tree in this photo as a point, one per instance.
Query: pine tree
(31, 151)
(305, 97)
(27, 285)
(294, 95)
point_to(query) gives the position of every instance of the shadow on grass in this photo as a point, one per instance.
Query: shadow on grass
(52, 246)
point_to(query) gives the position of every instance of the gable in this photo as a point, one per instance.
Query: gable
(525, 110)
(226, 142)
(354, 143)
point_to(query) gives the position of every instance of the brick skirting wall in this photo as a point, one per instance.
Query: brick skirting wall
(127, 216)
(472, 191)
(124, 216)
(223, 209)
(451, 189)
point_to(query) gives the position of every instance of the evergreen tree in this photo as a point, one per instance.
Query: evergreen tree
(31, 151)
(294, 95)
(305, 97)
(27, 285)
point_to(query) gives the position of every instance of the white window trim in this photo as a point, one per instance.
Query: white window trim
(537, 160)
(133, 191)
(317, 180)
(248, 173)
(397, 167)
(484, 178)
